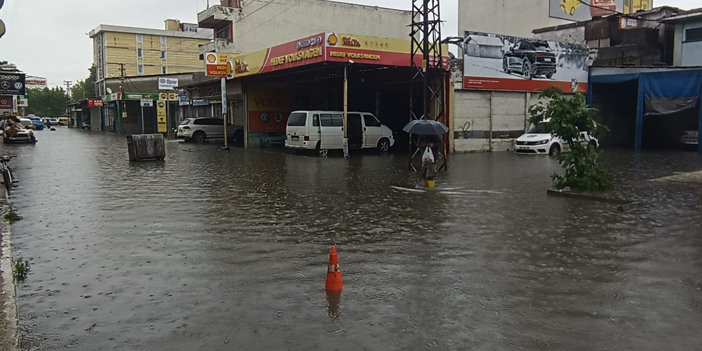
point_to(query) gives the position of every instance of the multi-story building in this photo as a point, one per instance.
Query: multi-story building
(688, 37)
(146, 51)
(520, 18)
(248, 26)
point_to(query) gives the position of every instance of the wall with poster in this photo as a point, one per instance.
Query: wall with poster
(504, 63)
(577, 10)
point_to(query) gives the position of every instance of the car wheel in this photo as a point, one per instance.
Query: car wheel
(526, 70)
(199, 137)
(592, 145)
(555, 151)
(549, 75)
(505, 65)
(321, 152)
(384, 145)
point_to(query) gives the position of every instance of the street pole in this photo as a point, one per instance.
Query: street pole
(142, 117)
(224, 111)
(346, 110)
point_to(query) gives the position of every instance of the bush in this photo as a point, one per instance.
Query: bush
(569, 118)
(21, 269)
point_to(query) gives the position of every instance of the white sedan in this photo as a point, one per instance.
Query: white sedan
(539, 140)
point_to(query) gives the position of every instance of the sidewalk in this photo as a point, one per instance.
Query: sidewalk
(8, 309)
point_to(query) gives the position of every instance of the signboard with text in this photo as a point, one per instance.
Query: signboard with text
(12, 83)
(6, 102)
(167, 83)
(216, 66)
(329, 47)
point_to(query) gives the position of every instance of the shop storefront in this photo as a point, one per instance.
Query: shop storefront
(308, 74)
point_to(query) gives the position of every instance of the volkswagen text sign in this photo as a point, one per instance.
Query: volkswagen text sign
(12, 83)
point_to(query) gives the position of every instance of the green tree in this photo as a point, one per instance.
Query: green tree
(84, 89)
(569, 118)
(47, 102)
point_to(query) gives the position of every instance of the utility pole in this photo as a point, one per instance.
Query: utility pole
(68, 97)
(120, 103)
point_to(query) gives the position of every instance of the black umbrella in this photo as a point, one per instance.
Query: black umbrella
(425, 127)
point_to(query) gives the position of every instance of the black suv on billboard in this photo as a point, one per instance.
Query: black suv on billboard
(531, 58)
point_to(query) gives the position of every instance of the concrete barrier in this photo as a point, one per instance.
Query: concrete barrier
(146, 147)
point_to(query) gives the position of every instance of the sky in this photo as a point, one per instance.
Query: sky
(48, 38)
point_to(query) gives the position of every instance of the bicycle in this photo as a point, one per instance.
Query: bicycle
(7, 176)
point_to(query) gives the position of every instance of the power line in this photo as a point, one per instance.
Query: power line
(266, 22)
(615, 12)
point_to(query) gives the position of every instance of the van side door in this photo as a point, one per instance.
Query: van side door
(332, 130)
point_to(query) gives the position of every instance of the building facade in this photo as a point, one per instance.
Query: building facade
(145, 51)
(520, 18)
(687, 47)
(248, 26)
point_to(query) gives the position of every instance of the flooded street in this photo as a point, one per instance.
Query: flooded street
(228, 251)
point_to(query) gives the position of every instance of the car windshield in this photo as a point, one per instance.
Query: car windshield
(539, 128)
(543, 47)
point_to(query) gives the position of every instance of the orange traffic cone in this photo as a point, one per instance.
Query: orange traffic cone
(334, 282)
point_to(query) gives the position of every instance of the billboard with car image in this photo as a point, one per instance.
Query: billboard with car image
(506, 63)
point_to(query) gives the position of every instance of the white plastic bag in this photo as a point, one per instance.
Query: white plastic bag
(428, 156)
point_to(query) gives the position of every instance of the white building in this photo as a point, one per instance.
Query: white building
(245, 26)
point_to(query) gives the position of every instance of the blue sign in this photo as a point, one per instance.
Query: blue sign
(201, 102)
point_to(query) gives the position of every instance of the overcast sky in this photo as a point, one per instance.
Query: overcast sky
(48, 38)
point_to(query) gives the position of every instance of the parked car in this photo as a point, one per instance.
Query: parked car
(689, 137)
(85, 125)
(16, 134)
(324, 130)
(53, 121)
(38, 125)
(531, 58)
(27, 123)
(62, 121)
(539, 140)
(203, 128)
(602, 8)
(273, 139)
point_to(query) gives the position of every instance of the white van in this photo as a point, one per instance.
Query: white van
(324, 130)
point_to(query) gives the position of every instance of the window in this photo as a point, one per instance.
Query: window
(223, 33)
(329, 120)
(139, 38)
(163, 40)
(186, 122)
(694, 34)
(140, 69)
(164, 70)
(163, 54)
(298, 119)
(371, 121)
(315, 121)
(140, 53)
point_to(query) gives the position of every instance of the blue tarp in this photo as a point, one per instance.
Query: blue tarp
(670, 84)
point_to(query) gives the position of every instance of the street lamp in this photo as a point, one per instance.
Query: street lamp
(346, 109)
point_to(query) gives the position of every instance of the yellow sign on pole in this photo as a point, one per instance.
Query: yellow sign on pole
(161, 117)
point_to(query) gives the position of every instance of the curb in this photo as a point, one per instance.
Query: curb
(8, 288)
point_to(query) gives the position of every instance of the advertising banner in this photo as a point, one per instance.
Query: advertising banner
(577, 10)
(22, 101)
(499, 62)
(6, 102)
(92, 103)
(329, 47)
(167, 83)
(36, 82)
(161, 121)
(217, 66)
(269, 107)
(12, 83)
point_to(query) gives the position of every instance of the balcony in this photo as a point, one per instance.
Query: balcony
(218, 45)
(215, 15)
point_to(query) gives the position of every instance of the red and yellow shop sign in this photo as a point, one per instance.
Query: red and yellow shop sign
(328, 47)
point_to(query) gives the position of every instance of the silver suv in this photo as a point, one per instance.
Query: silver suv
(203, 128)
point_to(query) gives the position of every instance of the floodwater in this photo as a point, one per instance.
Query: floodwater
(217, 250)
